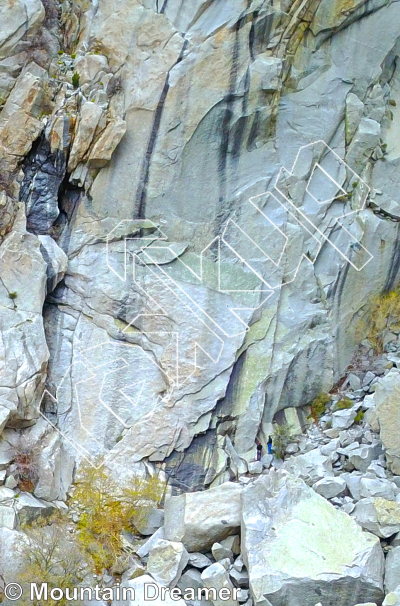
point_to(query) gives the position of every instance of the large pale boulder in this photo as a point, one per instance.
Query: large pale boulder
(386, 398)
(199, 519)
(330, 487)
(392, 598)
(378, 515)
(343, 419)
(392, 570)
(378, 487)
(310, 467)
(299, 549)
(167, 561)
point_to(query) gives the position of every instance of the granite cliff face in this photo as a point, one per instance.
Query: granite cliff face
(191, 288)
(198, 200)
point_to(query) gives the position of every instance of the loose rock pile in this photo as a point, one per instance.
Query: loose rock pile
(311, 529)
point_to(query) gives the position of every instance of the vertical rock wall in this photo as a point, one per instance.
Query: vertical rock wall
(151, 135)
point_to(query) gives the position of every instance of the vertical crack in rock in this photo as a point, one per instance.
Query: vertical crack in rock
(141, 195)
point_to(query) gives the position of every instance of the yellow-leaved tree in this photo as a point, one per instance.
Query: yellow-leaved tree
(106, 509)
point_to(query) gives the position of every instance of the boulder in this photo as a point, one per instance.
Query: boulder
(392, 598)
(29, 509)
(8, 518)
(147, 590)
(55, 464)
(343, 419)
(232, 543)
(330, 487)
(167, 561)
(310, 467)
(90, 117)
(220, 552)
(267, 460)
(12, 557)
(151, 522)
(392, 570)
(376, 487)
(353, 482)
(299, 549)
(199, 560)
(148, 545)
(106, 144)
(379, 516)
(372, 419)
(191, 579)
(241, 577)
(199, 519)
(215, 577)
(386, 398)
(363, 456)
(255, 467)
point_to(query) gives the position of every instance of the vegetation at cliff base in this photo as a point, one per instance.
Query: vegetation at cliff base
(318, 406)
(282, 436)
(108, 509)
(51, 556)
(382, 318)
(344, 404)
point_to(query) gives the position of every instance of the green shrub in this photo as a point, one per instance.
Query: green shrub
(359, 416)
(344, 404)
(282, 436)
(75, 80)
(13, 295)
(318, 406)
(392, 102)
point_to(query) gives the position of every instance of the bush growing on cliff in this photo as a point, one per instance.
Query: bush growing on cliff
(282, 436)
(382, 317)
(343, 404)
(25, 464)
(75, 80)
(318, 406)
(107, 509)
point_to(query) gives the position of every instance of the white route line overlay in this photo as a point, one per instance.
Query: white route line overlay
(175, 381)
